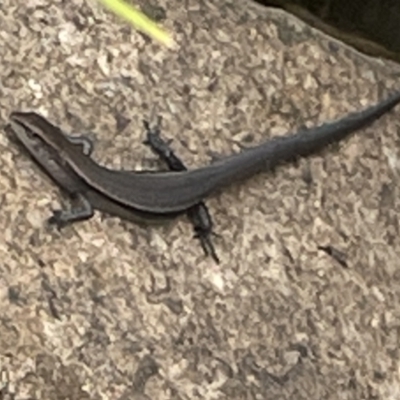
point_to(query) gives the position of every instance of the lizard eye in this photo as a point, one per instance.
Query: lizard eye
(32, 134)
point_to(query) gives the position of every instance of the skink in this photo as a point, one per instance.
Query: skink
(154, 195)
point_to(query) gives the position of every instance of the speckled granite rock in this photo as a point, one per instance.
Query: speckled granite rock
(109, 310)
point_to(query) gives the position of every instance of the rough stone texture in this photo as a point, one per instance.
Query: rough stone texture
(110, 310)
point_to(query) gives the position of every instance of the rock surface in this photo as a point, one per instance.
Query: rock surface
(110, 310)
